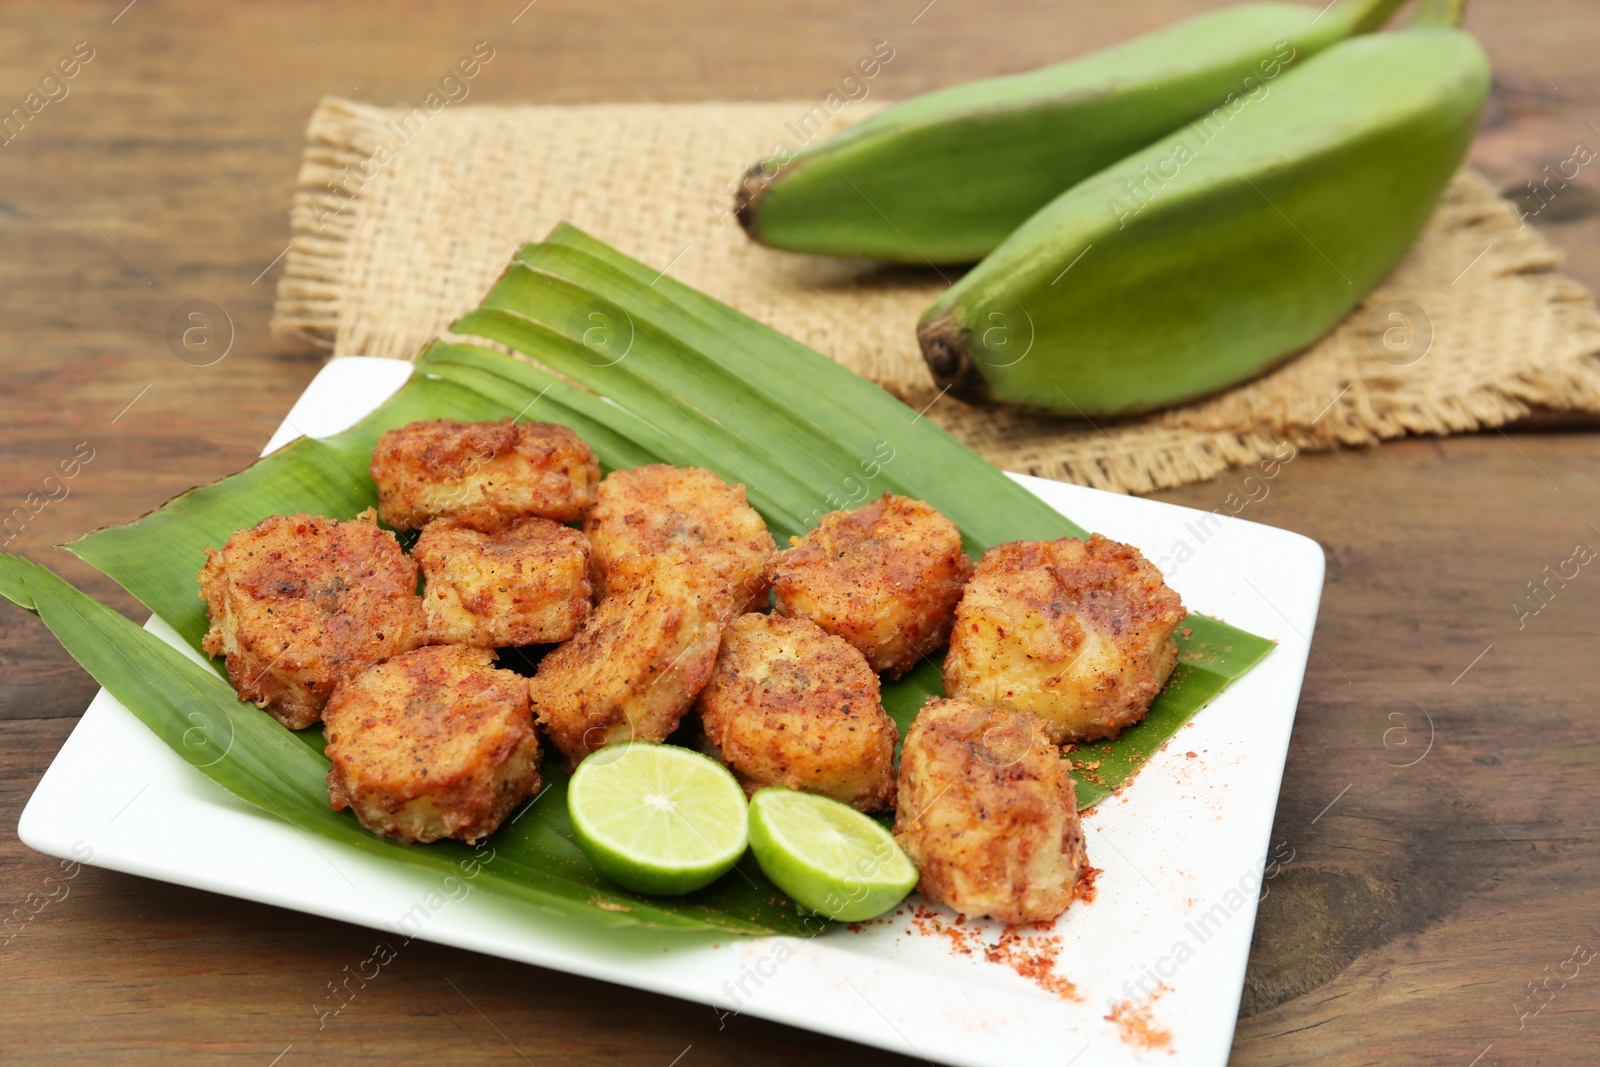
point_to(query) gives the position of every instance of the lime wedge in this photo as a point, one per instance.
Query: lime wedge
(828, 857)
(656, 818)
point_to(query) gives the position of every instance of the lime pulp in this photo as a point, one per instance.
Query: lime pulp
(657, 819)
(828, 857)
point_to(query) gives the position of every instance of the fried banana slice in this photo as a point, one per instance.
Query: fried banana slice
(486, 474)
(656, 509)
(434, 743)
(299, 603)
(1077, 632)
(527, 584)
(987, 809)
(638, 663)
(885, 577)
(790, 704)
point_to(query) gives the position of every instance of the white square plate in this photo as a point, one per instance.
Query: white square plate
(1181, 850)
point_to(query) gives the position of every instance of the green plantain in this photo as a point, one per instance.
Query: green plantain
(945, 177)
(1214, 253)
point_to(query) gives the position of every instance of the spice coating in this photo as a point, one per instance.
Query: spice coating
(791, 705)
(298, 603)
(526, 584)
(1078, 632)
(486, 474)
(638, 663)
(987, 810)
(657, 509)
(433, 743)
(885, 577)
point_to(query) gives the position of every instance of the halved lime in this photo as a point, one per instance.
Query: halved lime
(657, 818)
(828, 857)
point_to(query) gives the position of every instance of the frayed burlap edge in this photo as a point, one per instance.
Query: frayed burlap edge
(322, 221)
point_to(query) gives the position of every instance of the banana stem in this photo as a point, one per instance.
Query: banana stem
(1365, 16)
(1438, 13)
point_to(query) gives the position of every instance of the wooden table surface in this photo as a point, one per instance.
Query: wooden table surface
(1426, 911)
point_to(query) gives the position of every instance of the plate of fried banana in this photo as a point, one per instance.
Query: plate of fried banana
(507, 608)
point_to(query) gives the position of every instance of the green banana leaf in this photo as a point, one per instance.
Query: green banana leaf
(646, 370)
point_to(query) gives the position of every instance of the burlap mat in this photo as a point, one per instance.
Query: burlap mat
(401, 223)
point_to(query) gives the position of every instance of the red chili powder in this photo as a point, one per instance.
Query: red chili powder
(1085, 889)
(1137, 1027)
(1031, 955)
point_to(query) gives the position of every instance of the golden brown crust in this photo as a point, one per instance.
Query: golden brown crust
(433, 743)
(657, 509)
(885, 577)
(524, 585)
(638, 663)
(298, 603)
(1078, 632)
(988, 812)
(484, 473)
(790, 704)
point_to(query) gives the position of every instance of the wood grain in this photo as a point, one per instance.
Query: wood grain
(1420, 900)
